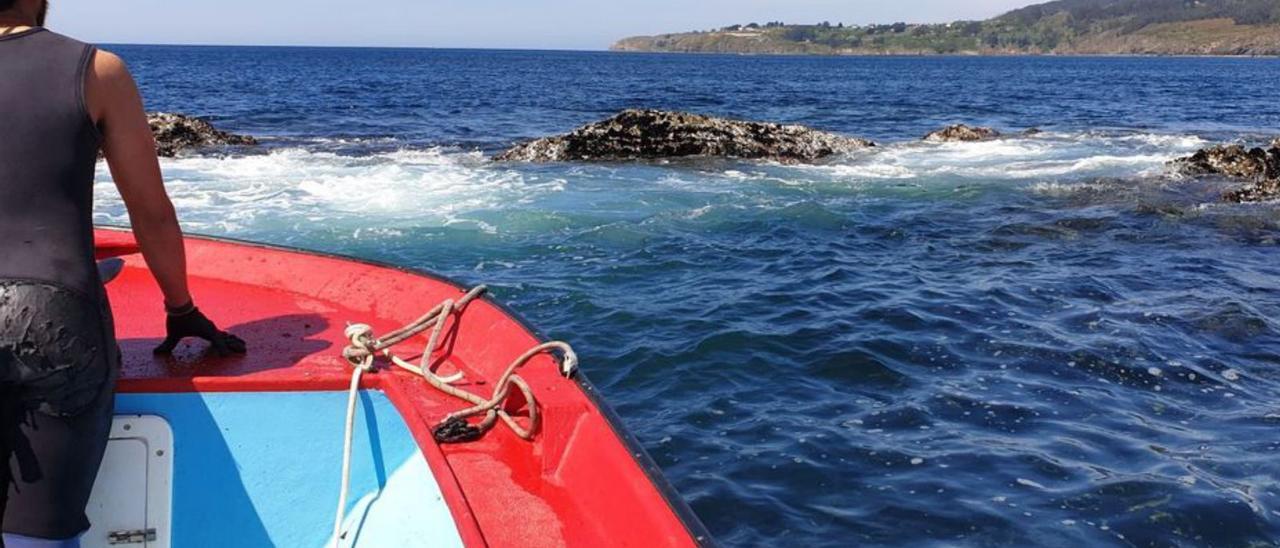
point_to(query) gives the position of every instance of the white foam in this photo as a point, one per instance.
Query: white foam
(1018, 158)
(294, 187)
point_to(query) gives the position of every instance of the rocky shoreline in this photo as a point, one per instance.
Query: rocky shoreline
(643, 134)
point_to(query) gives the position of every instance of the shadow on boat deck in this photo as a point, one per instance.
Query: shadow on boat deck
(276, 345)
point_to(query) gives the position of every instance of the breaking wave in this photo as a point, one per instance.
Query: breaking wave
(1030, 157)
(362, 187)
(294, 187)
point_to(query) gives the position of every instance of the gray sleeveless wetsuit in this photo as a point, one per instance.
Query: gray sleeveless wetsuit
(58, 355)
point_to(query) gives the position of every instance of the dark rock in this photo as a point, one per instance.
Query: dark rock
(1257, 192)
(175, 133)
(1233, 161)
(654, 134)
(961, 132)
(1032, 131)
(1259, 165)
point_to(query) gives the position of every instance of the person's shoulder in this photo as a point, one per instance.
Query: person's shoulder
(104, 65)
(109, 71)
(58, 37)
(107, 64)
(103, 61)
(108, 78)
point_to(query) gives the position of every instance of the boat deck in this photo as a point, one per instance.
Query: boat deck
(581, 482)
(262, 469)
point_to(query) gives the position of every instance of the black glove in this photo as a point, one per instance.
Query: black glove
(189, 322)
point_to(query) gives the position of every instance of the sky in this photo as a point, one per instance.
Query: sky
(517, 24)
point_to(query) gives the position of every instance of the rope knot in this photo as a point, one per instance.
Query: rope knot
(360, 352)
(455, 427)
(364, 347)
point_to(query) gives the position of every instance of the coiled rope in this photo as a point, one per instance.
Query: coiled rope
(454, 428)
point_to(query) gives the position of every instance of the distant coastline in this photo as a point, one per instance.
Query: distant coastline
(1061, 28)
(1259, 56)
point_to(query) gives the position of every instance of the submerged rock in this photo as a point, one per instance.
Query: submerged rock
(1260, 165)
(1257, 192)
(654, 134)
(175, 133)
(961, 132)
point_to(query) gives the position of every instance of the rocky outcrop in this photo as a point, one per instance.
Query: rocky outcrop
(1259, 165)
(655, 134)
(961, 132)
(1233, 161)
(176, 133)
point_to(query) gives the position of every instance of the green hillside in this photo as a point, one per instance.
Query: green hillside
(1165, 27)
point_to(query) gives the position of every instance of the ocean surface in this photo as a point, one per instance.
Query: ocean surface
(1048, 340)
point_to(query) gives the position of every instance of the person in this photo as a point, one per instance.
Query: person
(60, 102)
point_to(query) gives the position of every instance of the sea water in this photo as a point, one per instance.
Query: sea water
(1050, 339)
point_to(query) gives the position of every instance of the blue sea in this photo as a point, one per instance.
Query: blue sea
(1049, 339)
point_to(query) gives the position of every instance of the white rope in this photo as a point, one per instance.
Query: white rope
(346, 454)
(360, 354)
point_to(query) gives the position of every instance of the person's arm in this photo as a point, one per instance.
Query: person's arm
(131, 154)
(115, 105)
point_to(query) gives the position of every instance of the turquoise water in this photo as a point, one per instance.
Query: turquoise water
(1044, 340)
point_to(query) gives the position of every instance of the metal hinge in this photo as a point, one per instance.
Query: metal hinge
(131, 537)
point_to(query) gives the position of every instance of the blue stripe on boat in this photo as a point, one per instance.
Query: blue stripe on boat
(262, 469)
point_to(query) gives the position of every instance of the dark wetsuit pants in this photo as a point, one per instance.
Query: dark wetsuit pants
(58, 366)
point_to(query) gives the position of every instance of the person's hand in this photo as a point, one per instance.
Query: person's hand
(189, 322)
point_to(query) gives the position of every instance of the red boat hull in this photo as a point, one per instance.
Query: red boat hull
(582, 481)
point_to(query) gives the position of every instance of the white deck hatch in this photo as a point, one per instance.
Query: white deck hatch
(132, 498)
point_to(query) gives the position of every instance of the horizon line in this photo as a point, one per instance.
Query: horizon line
(316, 46)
